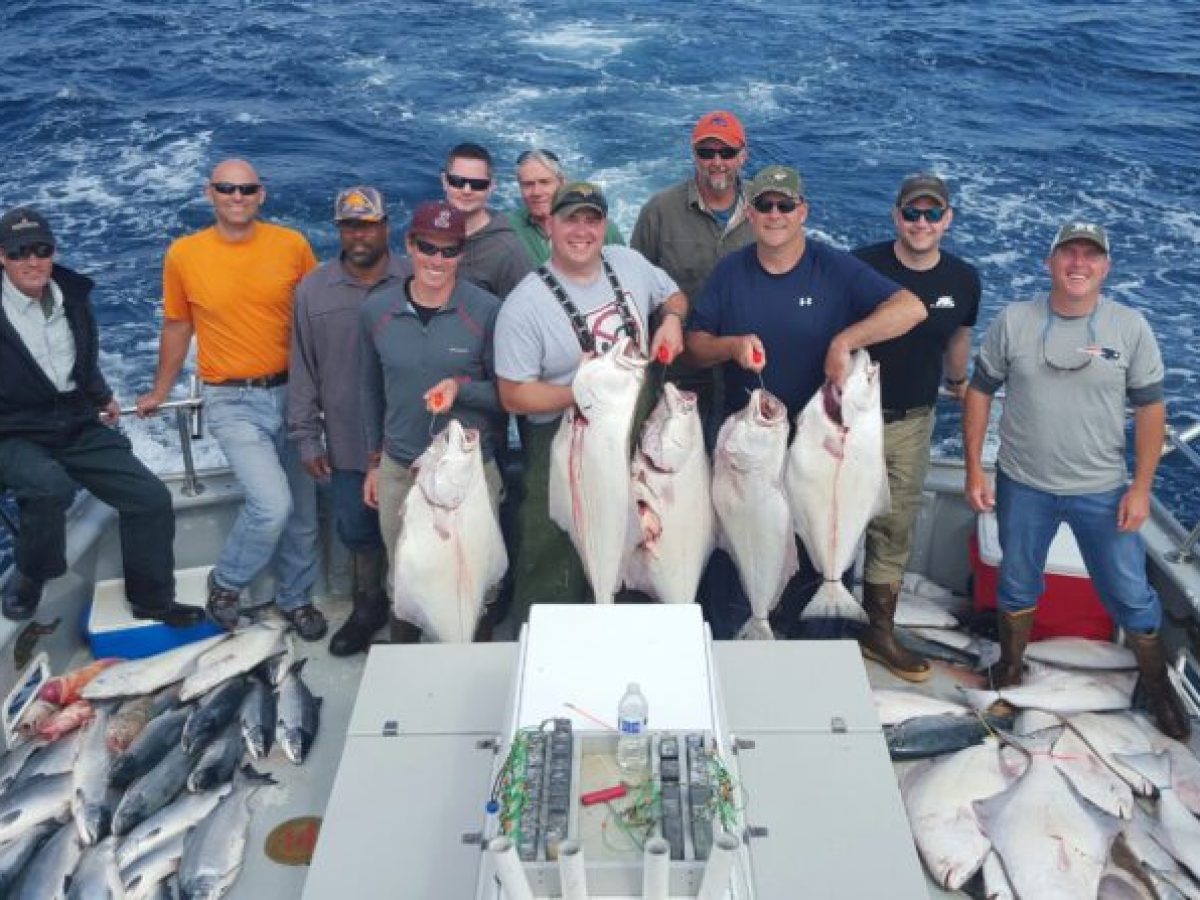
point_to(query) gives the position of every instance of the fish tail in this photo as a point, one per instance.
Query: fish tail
(833, 601)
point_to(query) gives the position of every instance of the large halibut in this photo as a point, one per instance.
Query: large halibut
(837, 481)
(751, 506)
(450, 550)
(672, 497)
(589, 491)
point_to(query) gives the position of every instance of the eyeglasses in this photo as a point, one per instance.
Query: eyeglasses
(1073, 365)
(228, 188)
(765, 205)
(432, 250)
(41, 251)
(932, 215)
(726, 153)
(461, 181)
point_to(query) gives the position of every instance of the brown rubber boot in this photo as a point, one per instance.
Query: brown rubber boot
(879, 642)
(403, 632)
(370, 604)
(1014, 635)
(1169, 713)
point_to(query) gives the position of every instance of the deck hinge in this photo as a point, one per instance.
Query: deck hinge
(756, 831)
(391, 728)
(838, 725)
(740, 744)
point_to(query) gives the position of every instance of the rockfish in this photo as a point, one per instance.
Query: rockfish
(590, 496)
(837, 482)
(752, 507)
(450, 551)
(671, 479)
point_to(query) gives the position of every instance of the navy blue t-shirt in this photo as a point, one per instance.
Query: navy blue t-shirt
(795, 315)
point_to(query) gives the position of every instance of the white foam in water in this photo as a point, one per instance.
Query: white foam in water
(573, 38)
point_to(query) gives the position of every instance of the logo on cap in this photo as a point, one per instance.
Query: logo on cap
(442, 219)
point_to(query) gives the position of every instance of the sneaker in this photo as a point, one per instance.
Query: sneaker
(308, 621)
(223, 604)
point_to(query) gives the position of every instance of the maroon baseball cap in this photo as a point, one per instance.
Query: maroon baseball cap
(439, 219)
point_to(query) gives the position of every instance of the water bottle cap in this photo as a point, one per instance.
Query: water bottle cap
(633, 688)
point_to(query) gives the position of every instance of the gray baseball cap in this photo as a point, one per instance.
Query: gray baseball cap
(925, 184)
(1081, 231)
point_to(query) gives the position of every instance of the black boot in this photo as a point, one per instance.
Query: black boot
(176, 615)
(21, 597)
(1014, 635)
(1169, 713)
(403, 632)
(370, 605)
(879, 641)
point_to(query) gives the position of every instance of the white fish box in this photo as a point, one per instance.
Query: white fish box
(1069, 607)
(112, 629)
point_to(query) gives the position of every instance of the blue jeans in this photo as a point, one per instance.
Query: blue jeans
(356, 523)
(278, 520)
(1116, 560)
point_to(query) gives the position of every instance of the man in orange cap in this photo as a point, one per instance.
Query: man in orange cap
(686, 228)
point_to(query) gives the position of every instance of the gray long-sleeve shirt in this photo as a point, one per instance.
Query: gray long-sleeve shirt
(324, 395)
(401, 359)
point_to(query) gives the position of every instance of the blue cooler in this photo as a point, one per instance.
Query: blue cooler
(113, 631)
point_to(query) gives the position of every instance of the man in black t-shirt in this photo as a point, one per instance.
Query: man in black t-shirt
(913, 364)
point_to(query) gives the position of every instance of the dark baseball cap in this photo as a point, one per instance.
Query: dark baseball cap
(439, 219)
(577, 195)
(776, 180)
(914, 187)
(23, 227)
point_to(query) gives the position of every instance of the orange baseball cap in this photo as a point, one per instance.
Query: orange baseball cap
(722, 125)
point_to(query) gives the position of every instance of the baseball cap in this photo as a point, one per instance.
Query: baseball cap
(1081, 231)
(577, 195)
(722, 125)
(21, 227)
(359, 204)
(776, 180)
(440, 219)
(914, 187)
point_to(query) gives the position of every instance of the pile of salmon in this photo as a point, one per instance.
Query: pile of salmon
(1068, 793)
(138, 779)
(650, 525)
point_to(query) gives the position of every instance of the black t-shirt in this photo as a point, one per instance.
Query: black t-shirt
(912, 363)
(424, 313)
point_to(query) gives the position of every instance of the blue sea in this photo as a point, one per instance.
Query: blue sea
(113, 113)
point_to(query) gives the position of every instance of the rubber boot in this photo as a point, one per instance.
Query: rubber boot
(370, 605)
(879, 642)
(1014, 635)
(22, 595)
(1169, 713)
(403, 632)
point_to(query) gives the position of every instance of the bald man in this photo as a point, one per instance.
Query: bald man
(231, 285)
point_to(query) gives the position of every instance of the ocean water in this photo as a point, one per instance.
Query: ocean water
(113, 113)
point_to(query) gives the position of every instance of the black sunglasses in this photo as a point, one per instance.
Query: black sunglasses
(766, 204)
(41, 251)
(723, 152)
(228, 188)
(431, 250)
(525, 154)
(461, 181)
(912, 214)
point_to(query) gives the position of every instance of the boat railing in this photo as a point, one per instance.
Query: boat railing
(189, 422)
(1179, 441)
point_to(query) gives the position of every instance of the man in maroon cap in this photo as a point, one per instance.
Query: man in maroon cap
(426, 356)
(686, 228)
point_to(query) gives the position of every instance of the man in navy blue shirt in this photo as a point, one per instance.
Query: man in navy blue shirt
(791, 310)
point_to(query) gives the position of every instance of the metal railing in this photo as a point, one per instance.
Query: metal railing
(189, 422)
(1180, 442)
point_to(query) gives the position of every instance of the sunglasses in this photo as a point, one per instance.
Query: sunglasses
(912, 214)
(41, 251)
(765, 205)
(726, 153)
(461, 181)
(526, 154)
(228, 188)
(1067, 359)
(431, 250)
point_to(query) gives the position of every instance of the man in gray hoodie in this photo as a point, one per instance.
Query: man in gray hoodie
(494, 258)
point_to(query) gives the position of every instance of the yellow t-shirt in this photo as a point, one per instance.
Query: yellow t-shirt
(238, 296)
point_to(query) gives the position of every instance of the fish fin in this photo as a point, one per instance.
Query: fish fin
(833, 601)
(1154, 767)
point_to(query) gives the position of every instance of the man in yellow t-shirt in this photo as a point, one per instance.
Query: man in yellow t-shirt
(231, 285)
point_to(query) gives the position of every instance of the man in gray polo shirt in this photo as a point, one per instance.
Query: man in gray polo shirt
(617, 292)
(1070, 363)
(324, 417)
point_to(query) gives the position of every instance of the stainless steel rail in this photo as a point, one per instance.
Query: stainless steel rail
(189, 422)
(1180, 442)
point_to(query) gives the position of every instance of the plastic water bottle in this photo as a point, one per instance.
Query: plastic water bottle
(633, 742)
